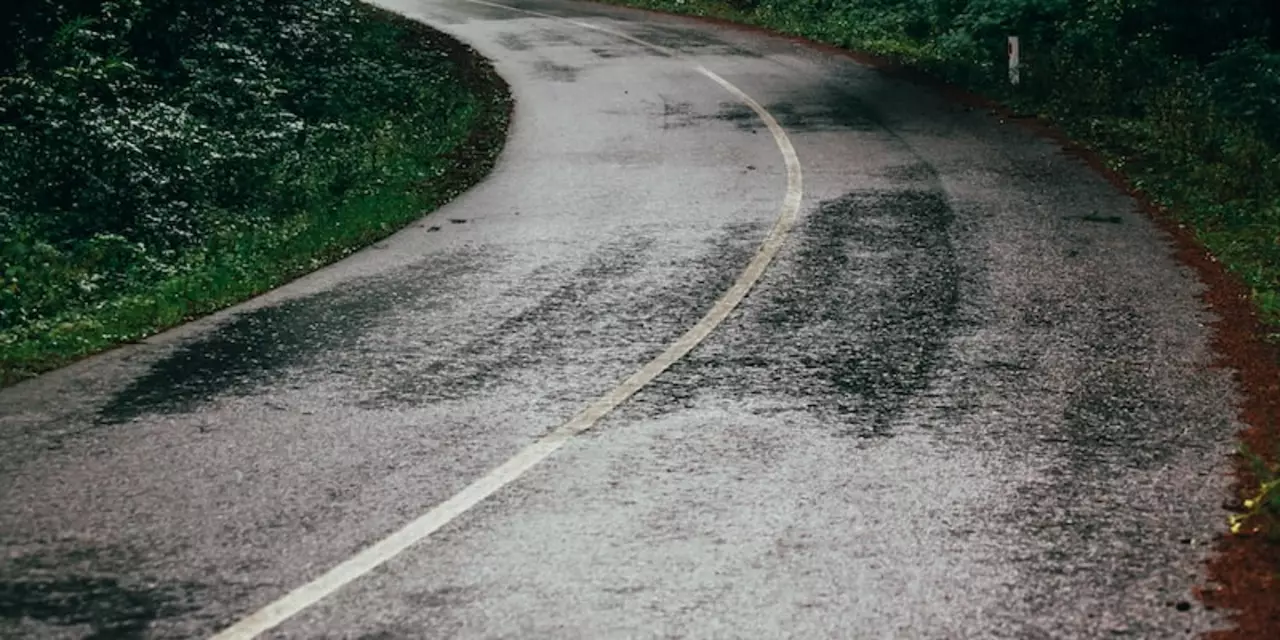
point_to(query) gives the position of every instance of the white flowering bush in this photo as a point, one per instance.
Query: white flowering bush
(141, 140)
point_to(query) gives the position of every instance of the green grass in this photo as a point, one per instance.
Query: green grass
(345, 192)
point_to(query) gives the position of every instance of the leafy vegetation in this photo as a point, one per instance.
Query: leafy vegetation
(1262, 510)
(161, 159)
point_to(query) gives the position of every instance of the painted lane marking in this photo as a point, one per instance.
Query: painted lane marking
(380, 552)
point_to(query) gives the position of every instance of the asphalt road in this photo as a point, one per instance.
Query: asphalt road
(971, 397)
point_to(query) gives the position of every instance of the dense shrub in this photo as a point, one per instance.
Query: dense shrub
(139, 137)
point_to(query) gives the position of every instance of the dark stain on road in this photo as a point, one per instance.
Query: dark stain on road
(912, 172)
(555, 72)
(692, 42)
(477, 12)
(822, 107)
(883, 263)
(676, 114)
(562, 37)
(677, 307)
(854, 326)
(108, 607)
(608, 53)
(1108, 421)
(836, 114)
(260, 346)
(1090, 354)
(569, 313)
(599, 308)
(1100, 218)
(831, 111)
(738, 114)
(249, 350)
(513, 41)
(446, 596)
(1115, 406)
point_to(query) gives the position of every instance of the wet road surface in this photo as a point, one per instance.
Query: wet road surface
(971, 397)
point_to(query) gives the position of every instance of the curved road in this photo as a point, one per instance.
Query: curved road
(970, 397)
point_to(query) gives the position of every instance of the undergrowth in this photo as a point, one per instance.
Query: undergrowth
(1261, 512)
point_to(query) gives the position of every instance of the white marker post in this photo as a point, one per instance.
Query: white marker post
(1015, 63)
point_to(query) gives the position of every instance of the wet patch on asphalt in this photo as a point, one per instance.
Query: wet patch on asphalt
(513, 42)
(677, 114)
(689, 42)
(853, 326)
(470, 12)
(1119, 419)
(574, 39)
(624, 153)
(1117, 413)
(520, 341)
(837, 113)
(1115, 406)
(89, 589)
(608, 53)
(446, 596)
(1098, 218)
(1069, 385)
(262, 346)
(702, 280)
(109, 608)
(909, 173)
(831, 111)
(555, 72)
(600, 308)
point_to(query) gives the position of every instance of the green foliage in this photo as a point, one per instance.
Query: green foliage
(162, 159)
(1262, 510)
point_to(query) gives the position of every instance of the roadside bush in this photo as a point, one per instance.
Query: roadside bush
(143, 141)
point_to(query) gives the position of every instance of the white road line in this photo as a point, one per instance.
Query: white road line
(380, 552)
